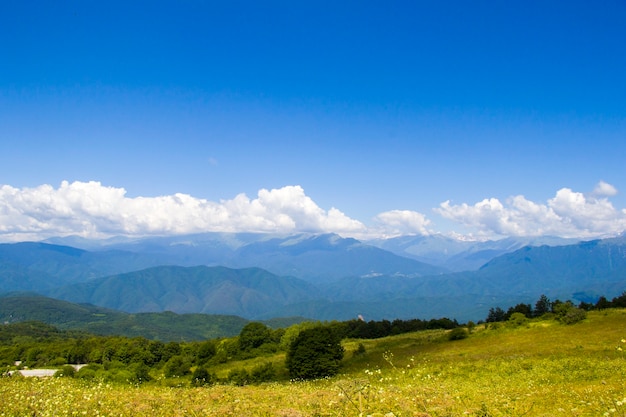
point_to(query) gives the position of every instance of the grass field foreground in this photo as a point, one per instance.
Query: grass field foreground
(540, 368)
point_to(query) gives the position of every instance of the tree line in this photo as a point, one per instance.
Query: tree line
(138, 359)
(564, 311)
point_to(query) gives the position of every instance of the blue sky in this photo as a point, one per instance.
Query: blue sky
(358, 117)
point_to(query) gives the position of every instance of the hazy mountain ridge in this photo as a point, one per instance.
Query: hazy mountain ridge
(201, 289)
(345, 278)
(41, 265)
(460, 255)
(313, 257)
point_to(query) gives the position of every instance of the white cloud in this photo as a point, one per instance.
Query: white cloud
(90, 209)
(402, 222)
(568, 214)
(604, 190)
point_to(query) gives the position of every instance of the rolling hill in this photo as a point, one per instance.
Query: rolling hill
(209, 290)
(164, 326)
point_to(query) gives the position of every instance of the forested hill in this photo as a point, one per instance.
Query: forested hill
(16, 308)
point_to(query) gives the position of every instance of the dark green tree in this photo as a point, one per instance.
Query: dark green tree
(542, 306)
(206, 350)
(253, 335)
(603, 303)
(177, 366)
(495, 314)
(315, 353)
(525, 309)
(619, 302)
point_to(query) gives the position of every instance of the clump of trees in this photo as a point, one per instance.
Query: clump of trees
(139, 360)
(564, 311)
(315, 353)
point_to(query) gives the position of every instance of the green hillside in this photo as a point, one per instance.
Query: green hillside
(244, 292)
(164, 326)
(534, 367)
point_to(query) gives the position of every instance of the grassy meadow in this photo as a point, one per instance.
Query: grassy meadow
(536, 368)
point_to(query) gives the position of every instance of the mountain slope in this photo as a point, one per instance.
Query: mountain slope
(460, 255)
(209, 290)
(313, 257)
(324, 258)
(164, 326)
(40, 265)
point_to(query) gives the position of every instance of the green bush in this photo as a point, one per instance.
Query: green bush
(141, 372)
(201, 377)
(517, 319)
(86, 373)
(457, 334)
(57, 362)
(573, 315)
(263, 373)
(66, 371)
(239, 377)
(360, 350)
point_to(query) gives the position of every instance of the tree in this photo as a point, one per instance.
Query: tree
(603, 303)
(542, 306)
(254, 335)
(206, 350)
(619, 302)
(525, 309)
(495, 314)
(176, 366)
(315, 353)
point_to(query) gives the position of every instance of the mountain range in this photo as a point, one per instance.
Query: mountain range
(325, 277)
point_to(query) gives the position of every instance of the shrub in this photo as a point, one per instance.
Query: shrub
(201, 377)
(470, 326)
(239, 377)
(263, 373)
(86, 373)
(360, 350)
(573, 315)
(66, 371)
(58, 362)
(141, 372)
(517, 319)
(457, 334)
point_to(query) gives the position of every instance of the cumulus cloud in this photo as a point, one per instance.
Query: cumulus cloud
(402, 222)
(568, 214)
(604, 190)
(93, 210)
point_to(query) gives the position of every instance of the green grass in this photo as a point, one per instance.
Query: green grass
(540, 369)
